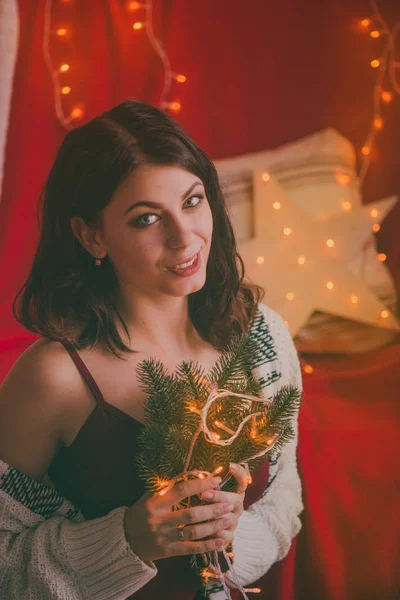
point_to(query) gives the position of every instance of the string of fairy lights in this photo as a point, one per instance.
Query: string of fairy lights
(63, 87)
(386, 85)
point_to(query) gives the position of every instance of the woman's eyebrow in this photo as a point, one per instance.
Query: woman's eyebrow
(155, 204)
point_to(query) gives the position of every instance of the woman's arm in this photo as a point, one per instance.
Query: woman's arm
(47, 550)
(266, 529)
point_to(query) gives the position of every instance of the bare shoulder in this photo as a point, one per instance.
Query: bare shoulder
(36, 398)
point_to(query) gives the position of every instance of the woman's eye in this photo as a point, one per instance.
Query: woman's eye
(141, 224)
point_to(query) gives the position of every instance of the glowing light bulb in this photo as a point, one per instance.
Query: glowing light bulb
(374, 213)
(375, 63)
(276, 205)
(308, 369)
(218, 470)
(266, 176)
(181, 78)
(330, 243)
(385, 314)
(366, 22)
(386, 96)
(354, 299)
(376, 227)
(64, 68)
(175, 106)
(365, 150)
(65, 90)
(137, 25)
(131, 6)
(288, 231)
(290, 296)
(375, 33)
(342, 178)
(378, 123)
(76, 113)
(381, 257)
(61, 32)
(329, 285)
(301, 260)
(346, 205)
(260, 260)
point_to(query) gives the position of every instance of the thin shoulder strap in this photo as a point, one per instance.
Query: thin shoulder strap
(83, 370)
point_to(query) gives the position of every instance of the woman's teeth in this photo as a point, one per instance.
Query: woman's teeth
(184, 265)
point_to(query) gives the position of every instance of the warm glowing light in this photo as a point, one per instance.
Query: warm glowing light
(381, 257)
(354, 299)
(290, 296)
(385, 314)
(365, 150)
(133, 6)
(249, 479)
(288, 231)
(378, 123)
(76, 113)
(374, 213)
(342, 178)
(329, 285)
(376, 227)
(330, 243)
(375, 33)
(201, 475)
(366, 22)
(265, 176)
(137, 25)
(276, 205)
(301, 260)
(180, 78)
(218, 470)
(175, 106)
(346, 205)
(64, 68)
(308, 369)
(386, 96)
(375, 63)
(65, 90)
(61, 32)
(260, 260)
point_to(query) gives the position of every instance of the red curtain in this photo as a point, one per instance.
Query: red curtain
(259, 74)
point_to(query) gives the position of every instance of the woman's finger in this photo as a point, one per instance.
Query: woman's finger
(241, 475)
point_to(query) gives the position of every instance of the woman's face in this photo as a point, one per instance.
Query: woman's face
(158, 217)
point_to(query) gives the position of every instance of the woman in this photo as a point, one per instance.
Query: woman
(137, 259)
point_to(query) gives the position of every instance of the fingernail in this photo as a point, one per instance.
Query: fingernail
(216, 480)
(207, 495)
(234, 466)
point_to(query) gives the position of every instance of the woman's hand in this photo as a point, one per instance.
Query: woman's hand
(235, 498)
(152, 527)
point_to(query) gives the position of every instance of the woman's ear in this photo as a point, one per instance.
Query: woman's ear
(87, 236)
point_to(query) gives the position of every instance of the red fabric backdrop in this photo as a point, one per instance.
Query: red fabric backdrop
(259, 74)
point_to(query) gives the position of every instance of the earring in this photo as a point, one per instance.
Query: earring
(97, 262)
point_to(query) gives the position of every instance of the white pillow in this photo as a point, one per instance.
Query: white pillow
(318, 173)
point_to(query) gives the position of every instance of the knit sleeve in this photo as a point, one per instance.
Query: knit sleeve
(48, 550)
(265, 531)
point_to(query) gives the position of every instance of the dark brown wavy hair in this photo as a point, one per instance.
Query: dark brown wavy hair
(66, 297)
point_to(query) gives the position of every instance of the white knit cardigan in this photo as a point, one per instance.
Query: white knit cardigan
(49, 551)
